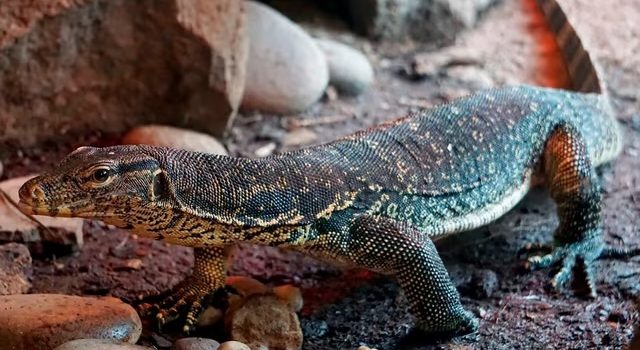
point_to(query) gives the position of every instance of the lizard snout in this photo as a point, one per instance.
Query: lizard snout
(30, 194)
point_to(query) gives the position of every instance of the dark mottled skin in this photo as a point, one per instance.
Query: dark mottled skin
(375, 199)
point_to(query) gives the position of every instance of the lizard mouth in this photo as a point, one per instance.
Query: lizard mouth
(29, 208)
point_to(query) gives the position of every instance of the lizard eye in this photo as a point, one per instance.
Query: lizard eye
(101, 175)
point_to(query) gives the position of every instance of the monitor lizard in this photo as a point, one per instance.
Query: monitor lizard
(375, 199)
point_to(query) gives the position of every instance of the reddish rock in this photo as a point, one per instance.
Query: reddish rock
(167, 136)
(44, 321)
(265, 321)
(15, 267)
(73, 66)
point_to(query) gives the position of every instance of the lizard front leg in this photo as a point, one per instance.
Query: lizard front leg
(385, 245)
(196, 291)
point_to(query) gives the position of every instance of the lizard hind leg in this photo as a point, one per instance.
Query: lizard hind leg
(574, 187)
(386, 245)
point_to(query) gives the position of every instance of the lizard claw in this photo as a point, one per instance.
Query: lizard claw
(187, 299)
(584, 252)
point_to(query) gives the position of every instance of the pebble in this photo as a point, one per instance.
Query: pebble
(246, 286)
(169, 136)
(233, 345)
(264, 320)
(63, 237)
(15, 268)
(299, 137)
(349, 69)
(44, 321)
(196, 344)
(99, 344)
(210, 316)
(291, 295)
(472, 76)
(286, 71)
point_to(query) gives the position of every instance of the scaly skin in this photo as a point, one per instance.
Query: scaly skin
(375, 199)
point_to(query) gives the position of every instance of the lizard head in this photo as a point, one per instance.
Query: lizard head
(100, 183)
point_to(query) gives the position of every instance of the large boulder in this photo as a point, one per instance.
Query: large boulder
(72, 66)
(286, 70)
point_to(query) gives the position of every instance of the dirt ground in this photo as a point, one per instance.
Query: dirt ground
(346, 309)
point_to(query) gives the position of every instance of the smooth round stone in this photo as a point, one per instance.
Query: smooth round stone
(99, 344)
(44, 321)
(286, 71)
(233, 345)
(196, 344)
(349, 69)
(169, 136)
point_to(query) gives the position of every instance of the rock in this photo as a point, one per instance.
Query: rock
(364, 347)
(286, 71)
(432, 21)
(264, 320)
(196, 344)
(44, 321)
(314, 328)
(15, 268)
(430, 64)
(210, 316)
(291, 295)
(474, 77)
(233, 345)
(246, 286)
(99, 344)
(299, 137)
(110, 66)
(349, 69)
(168, 136)
(64, 235)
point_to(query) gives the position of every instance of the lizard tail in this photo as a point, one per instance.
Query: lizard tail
(583, 71)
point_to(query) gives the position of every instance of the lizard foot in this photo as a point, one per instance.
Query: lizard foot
(584, 253)
(188, 299)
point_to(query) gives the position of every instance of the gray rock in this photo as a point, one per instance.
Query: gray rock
(424, 20)
(15, 268)
(44, 321)
(109, 65)
(286, 70)
(99, 344)
(63, 236)
(168, 136)
(196, 344)
(349, 69)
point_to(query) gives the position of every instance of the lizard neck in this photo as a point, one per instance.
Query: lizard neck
(288, 190)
